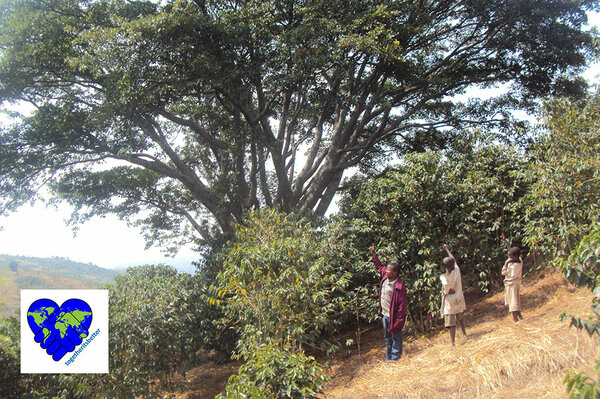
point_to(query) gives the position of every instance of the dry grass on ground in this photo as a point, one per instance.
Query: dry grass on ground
(497, 359)
(205, 381)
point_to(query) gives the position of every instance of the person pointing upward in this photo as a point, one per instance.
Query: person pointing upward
(393, 305)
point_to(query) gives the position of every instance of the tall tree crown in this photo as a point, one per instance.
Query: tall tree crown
(195, 111)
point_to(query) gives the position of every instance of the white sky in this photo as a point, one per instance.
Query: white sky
(38, 231)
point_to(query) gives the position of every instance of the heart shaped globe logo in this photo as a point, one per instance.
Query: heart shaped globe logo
(59, 329)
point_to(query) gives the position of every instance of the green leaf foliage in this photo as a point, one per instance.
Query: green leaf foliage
(466, 198)
(360, 297)
(277, 283)
(564, 175)
(11, 385)
(582, 266)
(154, 328)
(276, 371)
(581, 386)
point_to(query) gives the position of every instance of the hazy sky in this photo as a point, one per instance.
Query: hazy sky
(39, 231)
(107, 242)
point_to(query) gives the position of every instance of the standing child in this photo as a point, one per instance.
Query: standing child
(453, 300)
(512, 271)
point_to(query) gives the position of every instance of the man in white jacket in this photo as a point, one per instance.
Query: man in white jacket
(453, 300)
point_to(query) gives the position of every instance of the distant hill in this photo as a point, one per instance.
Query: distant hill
(20, 272)
(184, 264)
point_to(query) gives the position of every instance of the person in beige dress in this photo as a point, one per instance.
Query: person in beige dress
(453, 300)
(512, 272)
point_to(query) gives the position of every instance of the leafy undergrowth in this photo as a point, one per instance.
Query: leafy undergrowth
(497, 358)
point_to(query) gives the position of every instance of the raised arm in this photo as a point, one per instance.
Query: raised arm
(378, 265)
(448, 251)
(505, 267)
(505, 241)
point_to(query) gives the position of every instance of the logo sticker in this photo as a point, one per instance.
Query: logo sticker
(68, 338)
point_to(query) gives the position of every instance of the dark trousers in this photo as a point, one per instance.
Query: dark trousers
(392, 340)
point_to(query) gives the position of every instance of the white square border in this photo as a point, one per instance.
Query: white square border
(91, 359)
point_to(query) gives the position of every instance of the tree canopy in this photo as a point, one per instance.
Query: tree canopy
(184, 114)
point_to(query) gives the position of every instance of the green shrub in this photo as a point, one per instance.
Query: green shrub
(10, 377)
(563, 199)
(274, 371)
(154, 329)
(277, 283)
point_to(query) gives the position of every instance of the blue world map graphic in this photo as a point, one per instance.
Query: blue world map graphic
(59, 329)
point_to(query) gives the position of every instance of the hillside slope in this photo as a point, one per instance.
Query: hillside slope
(497, 358)
(19, 272)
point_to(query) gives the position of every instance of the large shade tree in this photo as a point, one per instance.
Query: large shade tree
(184, 114)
